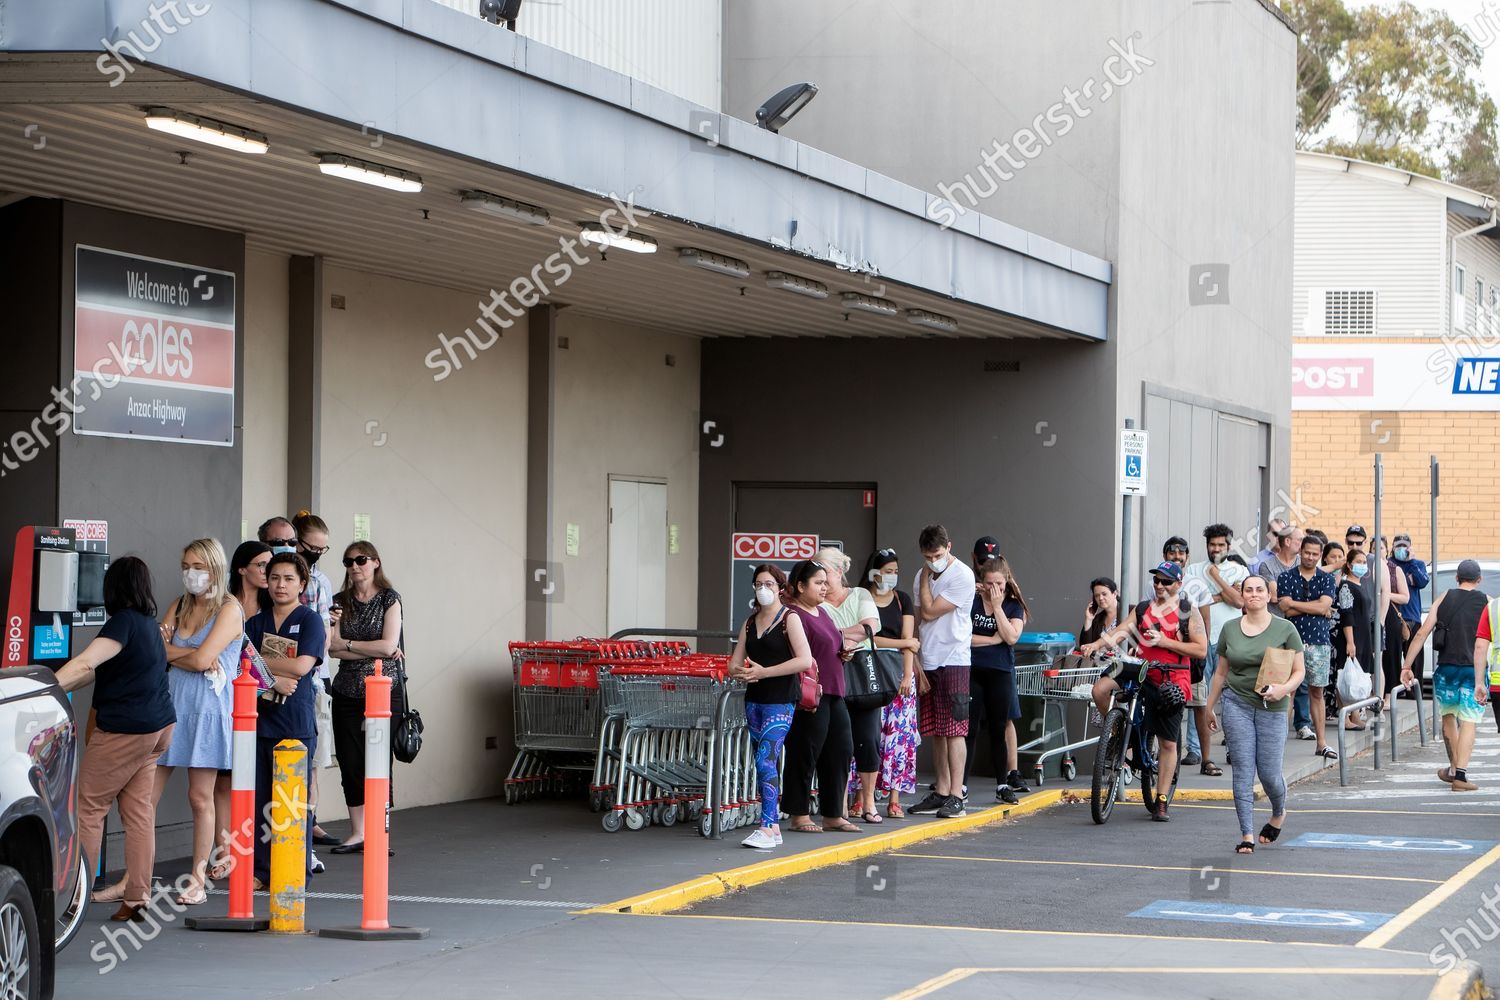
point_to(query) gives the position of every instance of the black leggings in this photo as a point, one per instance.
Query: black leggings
(349, 742)
(864, 723)
(990, 693)
(818, 741)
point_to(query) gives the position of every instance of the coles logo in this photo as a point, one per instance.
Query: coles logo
(15, 640)
(754, 545)
(1333, 376)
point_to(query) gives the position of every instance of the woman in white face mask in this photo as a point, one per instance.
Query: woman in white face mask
(898, 739)
(202, 630)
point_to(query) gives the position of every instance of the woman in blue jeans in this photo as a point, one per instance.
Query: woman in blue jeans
(1255, 721)
(771, 652)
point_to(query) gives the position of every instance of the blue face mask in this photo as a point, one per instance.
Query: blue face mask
(276, 550)
(1402, 553)
(1359, 570)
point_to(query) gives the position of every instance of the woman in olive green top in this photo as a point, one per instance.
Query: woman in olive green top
(1255, 721)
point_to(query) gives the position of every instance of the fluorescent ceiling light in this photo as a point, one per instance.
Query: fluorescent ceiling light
(933, 321)
(209, 130)
(719, 264)
(505, 208)
(349, 168)
(593, 232)
(792, 283)
(867, 303)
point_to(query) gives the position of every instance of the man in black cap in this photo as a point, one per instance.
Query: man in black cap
(1460, 682)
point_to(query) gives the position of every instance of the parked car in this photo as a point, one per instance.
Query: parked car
(44, 879)
(1447, 569)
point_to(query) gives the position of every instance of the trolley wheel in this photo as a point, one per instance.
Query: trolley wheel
(635, 819)
(596, 801)
(510, 795)
(612, 821)
(1069, 770)
(669, 815)
(706, 824)
(1039, 776)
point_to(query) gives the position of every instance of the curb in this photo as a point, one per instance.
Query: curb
(683, 894)
(1466, 982)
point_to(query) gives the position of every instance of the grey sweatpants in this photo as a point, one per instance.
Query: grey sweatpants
(1256, 736)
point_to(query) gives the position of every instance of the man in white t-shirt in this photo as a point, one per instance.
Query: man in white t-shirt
(1213, 586)
(944, 593)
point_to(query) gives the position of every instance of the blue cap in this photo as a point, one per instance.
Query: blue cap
(1170, 570)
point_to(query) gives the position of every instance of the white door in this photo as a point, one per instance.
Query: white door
(637, 555)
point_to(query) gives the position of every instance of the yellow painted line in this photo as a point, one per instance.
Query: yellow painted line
(1192, 795)
(1167, 868)
(1387, 933)
(958, 975)
(847, 847)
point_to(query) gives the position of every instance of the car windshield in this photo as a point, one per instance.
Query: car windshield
(1444, 578)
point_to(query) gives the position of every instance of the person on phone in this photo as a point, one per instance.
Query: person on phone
(853, 610)
(1103, 611)
(293, 716)
(369, 629)
(999, 616)
(770, 654)
(1460, 684)
(1254, 720)
(898, 720)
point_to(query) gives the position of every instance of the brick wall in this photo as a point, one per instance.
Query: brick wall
(1333, 459)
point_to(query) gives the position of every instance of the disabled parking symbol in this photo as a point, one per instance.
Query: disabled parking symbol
(1279, 916)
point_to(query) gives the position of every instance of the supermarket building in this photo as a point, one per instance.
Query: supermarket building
(937, 295)
(1397, 322)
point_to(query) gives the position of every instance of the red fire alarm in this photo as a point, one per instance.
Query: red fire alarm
(869, 499)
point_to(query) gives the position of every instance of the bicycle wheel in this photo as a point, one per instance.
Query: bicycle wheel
(1151, 791)
(1108, 760)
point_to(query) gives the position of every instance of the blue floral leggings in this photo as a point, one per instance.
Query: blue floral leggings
(768, 728)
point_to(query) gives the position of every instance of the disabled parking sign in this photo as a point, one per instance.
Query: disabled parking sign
(1361, 842)
(1278, 916)
(1133, 463)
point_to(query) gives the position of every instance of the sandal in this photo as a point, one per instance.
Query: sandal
(871, 817)
(1328, 752)
(116, 892)
(192, 898)
(220, 871)
(844, 827)
(1209, 768)
(894, 811)
(1269, 833)
(1245, 847)
(808, 827)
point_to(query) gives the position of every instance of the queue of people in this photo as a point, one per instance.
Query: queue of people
(163, 692)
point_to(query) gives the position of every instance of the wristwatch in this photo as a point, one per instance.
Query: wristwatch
(348, 645)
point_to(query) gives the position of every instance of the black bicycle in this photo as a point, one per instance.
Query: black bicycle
(1124, 730)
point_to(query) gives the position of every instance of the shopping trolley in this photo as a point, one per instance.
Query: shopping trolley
(1066, 679)
(684, 750)
(559, 712)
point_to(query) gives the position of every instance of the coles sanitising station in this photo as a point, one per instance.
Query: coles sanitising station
(572, 348)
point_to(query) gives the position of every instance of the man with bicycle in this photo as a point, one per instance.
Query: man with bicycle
(1169, 637)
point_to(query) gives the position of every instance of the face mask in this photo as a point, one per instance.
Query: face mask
(311, 557)
(195, 580)
(277, 550)
(765, 596)
(940, 564)
(1359, 570)
(886, 583)
(1402, 552)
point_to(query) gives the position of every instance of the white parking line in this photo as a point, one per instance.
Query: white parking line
(546, 904)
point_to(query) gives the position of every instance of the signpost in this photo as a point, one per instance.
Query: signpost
(1132, 468)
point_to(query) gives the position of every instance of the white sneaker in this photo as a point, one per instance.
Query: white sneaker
(778, 839)
(1306, 733)
(316, 867)
(760, 840)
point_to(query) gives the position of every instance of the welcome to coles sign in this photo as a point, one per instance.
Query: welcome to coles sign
(153, 349)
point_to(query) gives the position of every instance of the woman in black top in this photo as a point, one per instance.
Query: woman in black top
(999, 616)
(772, 650)
(898, 720)
(133, 716)
(1356, 631)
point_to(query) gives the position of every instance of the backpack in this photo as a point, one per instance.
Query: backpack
(1185, 610)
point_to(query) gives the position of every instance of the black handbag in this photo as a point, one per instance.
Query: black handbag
(872, 676)
(406, 730)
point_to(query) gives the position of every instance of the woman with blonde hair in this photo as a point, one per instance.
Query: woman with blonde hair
(203, 631)
(853, 611)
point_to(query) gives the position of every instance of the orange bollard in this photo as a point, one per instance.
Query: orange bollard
(375, 917)
(242, 814)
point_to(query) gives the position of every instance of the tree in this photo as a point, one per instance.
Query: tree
(1396, 85)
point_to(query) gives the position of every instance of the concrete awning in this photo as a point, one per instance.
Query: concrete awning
(413, 85)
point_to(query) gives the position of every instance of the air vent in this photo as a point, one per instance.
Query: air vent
(1002, 366)
(1349, 312)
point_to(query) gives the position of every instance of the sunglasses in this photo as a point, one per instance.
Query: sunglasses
(281, 541)
(886, 552)
(314, 550)
(355, 561)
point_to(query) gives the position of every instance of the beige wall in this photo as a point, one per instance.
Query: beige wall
(621, 411)
(263, 492)
(442, 475)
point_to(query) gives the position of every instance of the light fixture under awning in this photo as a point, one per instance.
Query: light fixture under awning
(349, 168)
(207, 130)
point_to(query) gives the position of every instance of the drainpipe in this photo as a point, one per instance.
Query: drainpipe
(1453, 261)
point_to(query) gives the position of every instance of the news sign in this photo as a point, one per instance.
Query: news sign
(153, 349)
(749, 549)
(1447, 375)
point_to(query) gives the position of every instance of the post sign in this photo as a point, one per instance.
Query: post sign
(749, 549)
(1449, 375)
(153, 349)
(1133, 463)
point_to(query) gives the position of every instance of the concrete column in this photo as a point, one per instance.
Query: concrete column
(304, 383)
(542, 573)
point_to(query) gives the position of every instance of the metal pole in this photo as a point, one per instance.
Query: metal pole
(1125, 542)
(1378, 568)
(1432, 464)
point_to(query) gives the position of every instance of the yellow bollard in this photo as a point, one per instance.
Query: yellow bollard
(289, 838)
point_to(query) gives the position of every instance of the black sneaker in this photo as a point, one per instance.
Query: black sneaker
(930, 804)
(952, 808)
(1016, 783)
(1192, 759)
(1004, 793)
